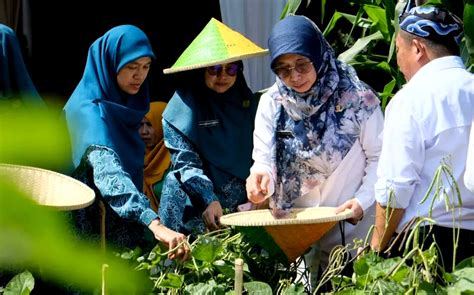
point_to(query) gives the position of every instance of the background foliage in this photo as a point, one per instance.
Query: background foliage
(363, 35)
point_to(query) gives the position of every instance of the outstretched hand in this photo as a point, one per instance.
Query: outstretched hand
(172, 240)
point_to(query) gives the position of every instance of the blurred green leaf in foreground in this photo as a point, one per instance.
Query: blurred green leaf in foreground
(37, 238)
(34, 138)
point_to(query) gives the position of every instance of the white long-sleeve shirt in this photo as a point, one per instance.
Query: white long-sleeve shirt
(428, 120)
(354, 177)
(469, 175)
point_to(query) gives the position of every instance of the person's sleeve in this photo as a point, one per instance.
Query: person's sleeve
(469, 174)
(188, 164)
(371, 142)
(117, 188)
(263, 139)
(401, 159)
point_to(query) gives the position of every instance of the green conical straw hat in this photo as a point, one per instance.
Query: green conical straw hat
(216, 44)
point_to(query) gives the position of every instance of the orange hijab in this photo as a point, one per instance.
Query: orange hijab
(157, 159)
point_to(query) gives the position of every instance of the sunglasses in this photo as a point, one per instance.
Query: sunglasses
(302, 67)
(230, 69)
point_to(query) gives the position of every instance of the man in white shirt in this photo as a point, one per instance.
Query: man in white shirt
(469, 174)
(427, 124)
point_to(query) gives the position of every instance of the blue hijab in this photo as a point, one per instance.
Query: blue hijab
(99, 113)
(314, 130)
(220, 126)
(15, 82)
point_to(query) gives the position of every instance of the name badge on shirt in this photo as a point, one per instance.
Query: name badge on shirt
(208, 123)
(284, 133)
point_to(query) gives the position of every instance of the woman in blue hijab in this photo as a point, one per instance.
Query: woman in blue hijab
(208, 126)
(16, 88)
(316, 139)
(103, 116)
(208, 129)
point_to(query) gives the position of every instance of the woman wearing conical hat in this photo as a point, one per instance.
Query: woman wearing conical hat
(208, 126)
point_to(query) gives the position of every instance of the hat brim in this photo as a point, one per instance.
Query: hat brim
(213, 62)
(287, 238)
(48, 188)
(296, 216)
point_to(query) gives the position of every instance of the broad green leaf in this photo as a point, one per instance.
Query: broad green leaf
(390, 15)
(294, 290)
(389, 287)
(204, 289)
(332, 23)
(383, 268)
(225, 268)
(468, 262)
(290, 8)
(425, 288)
(398, 10)
(131, 254)
(361, 44)
(401, 274)
(379, 19)
(384, 66)
(463, 283)
(21, 284)
(260, 288)
(387, 93)
(172, 280)
(207, 248)
(468, 19)
(365, 262)
(341, 281)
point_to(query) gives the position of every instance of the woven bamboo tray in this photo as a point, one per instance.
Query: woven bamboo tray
(286, 238)
(48, 188)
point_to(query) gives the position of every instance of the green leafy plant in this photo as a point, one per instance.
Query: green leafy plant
(211, 268)
(418, 270)
(21, 284)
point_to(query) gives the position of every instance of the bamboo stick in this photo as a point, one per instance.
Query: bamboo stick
(239, 276)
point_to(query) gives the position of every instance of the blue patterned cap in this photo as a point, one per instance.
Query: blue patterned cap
(432, 23)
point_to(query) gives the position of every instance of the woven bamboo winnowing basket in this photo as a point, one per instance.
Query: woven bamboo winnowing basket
(48, 188)
(286, 238)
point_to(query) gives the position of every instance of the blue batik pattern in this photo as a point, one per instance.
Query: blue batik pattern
(189, 189)
(432, 23)
(127, 209)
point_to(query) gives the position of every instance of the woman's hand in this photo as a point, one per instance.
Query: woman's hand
(212, 215)
(171, 239)
(258, 187)
(356, 208)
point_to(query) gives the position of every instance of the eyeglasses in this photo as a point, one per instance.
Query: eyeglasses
(302, 67)
(230, 69)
